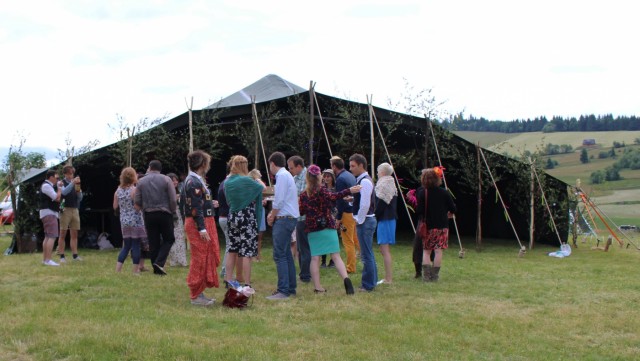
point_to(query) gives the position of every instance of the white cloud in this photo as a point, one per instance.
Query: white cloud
(70, 67)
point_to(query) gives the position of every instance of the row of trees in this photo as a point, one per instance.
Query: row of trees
(630, 159)
(584, 123)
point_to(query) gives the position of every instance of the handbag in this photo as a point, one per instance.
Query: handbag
(235, 299)
(422, 228)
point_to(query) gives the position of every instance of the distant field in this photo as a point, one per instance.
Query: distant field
(620, 199)
(530, 141)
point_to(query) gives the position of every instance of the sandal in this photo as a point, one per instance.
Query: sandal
(319, 291)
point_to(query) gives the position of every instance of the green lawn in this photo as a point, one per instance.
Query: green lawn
(488, 306)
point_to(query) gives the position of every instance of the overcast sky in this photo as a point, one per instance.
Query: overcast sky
(68, 68)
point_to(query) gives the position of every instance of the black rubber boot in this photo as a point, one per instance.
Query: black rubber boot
(418, 270)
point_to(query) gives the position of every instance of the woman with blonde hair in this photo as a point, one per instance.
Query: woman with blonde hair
(316, 202)
(439, 208)
(244, 196)
(386, 214)
(200, 228)
(131, 222)
(262, 225)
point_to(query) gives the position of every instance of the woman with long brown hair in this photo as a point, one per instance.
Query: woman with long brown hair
(439, 208)
(316, 203)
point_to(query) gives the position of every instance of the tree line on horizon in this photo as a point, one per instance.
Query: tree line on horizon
(584, 123)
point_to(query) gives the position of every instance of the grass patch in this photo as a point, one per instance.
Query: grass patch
(488, 306)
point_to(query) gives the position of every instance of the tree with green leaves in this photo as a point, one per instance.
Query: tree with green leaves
(584, 156)
(14, 166)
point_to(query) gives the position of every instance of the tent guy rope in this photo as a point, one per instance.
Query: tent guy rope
(523, 249)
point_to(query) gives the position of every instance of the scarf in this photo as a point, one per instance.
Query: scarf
(241, 191)
(386, 188)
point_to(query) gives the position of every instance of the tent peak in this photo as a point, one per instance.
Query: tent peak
(265, 89)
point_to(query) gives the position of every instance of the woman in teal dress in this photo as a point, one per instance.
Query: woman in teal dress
(316, 203)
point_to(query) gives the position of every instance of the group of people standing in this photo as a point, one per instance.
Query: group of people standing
(59, 200)
(310, 208)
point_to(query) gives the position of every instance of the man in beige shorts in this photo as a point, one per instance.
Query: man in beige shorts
(69, 215)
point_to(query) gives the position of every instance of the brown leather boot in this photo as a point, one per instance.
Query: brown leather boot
(435, 274)
(426, 273)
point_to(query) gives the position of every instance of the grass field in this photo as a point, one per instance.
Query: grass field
(531, 140)
(570, 168)
(488, 306)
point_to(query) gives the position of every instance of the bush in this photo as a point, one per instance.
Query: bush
(550, 164)
(597, 177)
(584, 156)
(612, 174)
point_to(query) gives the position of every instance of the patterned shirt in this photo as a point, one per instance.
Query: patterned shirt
(318, 208)
(198, 202)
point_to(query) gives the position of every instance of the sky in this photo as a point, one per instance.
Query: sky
(71, 69)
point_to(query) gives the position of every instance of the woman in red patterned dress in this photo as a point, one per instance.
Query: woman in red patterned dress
(439, 209)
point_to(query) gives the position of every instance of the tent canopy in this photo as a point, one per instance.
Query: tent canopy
(100, 175)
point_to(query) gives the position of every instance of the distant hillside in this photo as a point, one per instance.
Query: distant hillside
(515, 143)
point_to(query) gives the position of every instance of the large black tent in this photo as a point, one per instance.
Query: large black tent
(279, 103)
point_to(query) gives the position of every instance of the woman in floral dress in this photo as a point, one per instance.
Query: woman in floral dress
(244, 196)
(130, 219)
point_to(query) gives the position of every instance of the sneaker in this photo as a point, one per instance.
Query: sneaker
(381, 281)
(63, 260)
(77, 258)
(322, 265)
(277, 296)
(202, 301)
(159, 270)
(331, 265)
(362, 289)
(50, 263)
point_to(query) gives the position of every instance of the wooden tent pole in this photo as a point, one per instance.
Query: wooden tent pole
(190, 107)
(479, 219)
(372, 162)
(324, 130)
(546, 203)
(532, 207)
(395, 176)
(257, 123)
(504, 206)
(311, 119)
